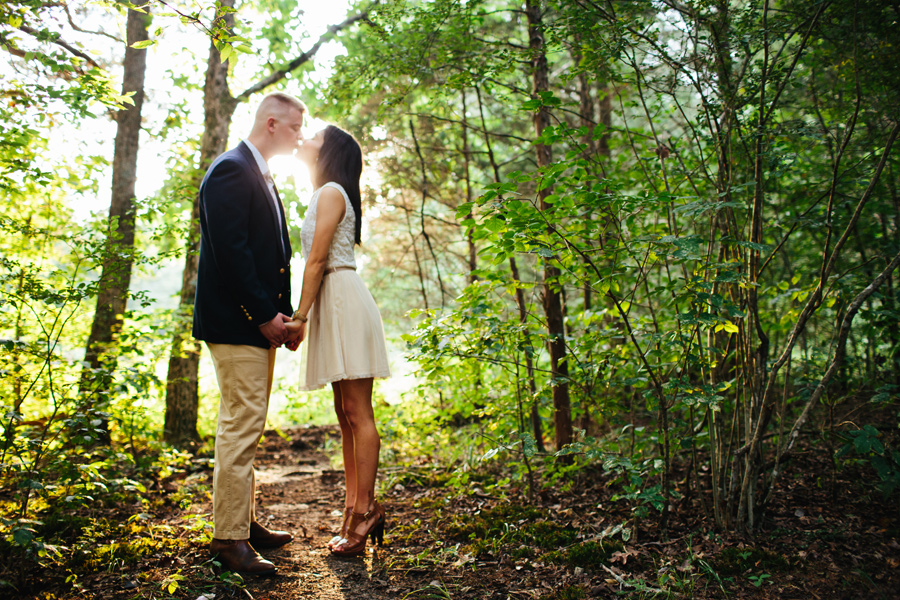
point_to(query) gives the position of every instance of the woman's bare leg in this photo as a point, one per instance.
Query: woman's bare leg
(347, 448)
(356, 399)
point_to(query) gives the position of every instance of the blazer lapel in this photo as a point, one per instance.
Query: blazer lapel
(285, 238)
(264, 188)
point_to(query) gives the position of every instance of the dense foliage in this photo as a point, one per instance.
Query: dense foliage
(658, 237)
(722, 214)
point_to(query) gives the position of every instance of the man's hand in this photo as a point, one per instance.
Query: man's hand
(275, 331)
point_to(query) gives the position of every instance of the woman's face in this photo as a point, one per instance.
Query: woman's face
(309, 149)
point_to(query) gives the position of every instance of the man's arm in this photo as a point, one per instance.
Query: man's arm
(227, 196)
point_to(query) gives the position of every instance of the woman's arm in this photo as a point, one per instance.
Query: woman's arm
(329, 214)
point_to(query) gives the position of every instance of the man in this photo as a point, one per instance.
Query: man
(242, 303)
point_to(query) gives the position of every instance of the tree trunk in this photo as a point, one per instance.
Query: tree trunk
(118, 258)
(605, 97)
(723, 427)
(586, 121)
(470, 235)
(537, 427)
(552, 296)
(182, 396)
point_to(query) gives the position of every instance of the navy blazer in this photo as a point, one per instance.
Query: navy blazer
(244, 278)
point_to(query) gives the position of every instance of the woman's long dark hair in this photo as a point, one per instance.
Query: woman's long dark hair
(340, 161)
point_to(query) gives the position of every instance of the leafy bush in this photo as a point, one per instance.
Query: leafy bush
(867, 444)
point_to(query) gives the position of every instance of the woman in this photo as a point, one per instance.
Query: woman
(342, 326)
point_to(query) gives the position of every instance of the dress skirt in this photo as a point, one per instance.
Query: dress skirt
(345, 335)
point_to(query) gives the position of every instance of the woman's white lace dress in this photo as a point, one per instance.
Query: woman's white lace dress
(345, 335)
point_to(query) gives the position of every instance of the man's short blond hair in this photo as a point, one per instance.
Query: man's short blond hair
(277, 104)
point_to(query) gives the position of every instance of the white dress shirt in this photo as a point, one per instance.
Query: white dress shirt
(264, 169)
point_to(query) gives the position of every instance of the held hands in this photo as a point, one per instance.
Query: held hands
(297, 331)
(275, 330)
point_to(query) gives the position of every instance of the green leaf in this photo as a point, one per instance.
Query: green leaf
(882, 467)
(495, 224)
(23, 535)
(755, 246)
(463, 210)
(863, 444)
(491, 453)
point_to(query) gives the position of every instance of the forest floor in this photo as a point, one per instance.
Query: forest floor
(441, 543)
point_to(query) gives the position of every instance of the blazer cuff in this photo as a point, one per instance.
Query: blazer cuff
(259, 316)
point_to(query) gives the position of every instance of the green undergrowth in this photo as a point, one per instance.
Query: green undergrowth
(101, 514)
(736, 561)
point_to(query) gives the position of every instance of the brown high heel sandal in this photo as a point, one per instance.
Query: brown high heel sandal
(355, 544)
(342, 536)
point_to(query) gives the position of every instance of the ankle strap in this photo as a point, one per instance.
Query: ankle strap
(367, 514)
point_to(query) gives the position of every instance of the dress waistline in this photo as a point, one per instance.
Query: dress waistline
(331, 270)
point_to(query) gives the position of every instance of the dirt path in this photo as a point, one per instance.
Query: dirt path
(300, 492)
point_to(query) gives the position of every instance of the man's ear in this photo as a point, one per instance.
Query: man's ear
(270, 124)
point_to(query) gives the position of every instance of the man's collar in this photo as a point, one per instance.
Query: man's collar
(260, 161)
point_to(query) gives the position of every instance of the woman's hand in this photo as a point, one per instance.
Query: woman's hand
(296, 332)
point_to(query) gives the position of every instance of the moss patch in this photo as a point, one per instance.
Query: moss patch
(587, 555)
(522, 527)
(547, 535)
(494, 523)
(571, 592)
(734, 561)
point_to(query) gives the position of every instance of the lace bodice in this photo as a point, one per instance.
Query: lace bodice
(341, 252)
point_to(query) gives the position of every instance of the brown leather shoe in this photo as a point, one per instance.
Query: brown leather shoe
(240, 557)
(263, 539)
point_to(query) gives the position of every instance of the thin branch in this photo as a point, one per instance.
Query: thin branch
(466, 124)
(62, 44)
(195, 19)
(437, 265)
(280, 74)
(80, 30)
(499, 43)
(787, 75)
(815, 299)
(835, 362)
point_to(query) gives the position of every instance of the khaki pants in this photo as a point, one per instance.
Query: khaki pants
(245, 382)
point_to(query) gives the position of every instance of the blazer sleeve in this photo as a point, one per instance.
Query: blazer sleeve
(230, 196)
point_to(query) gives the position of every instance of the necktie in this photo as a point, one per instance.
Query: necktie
(271, 184)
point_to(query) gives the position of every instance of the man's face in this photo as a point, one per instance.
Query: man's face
(288, 131)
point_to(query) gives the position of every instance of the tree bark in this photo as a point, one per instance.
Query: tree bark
(118, 258)
(552, 296)
(586, 121)
(466, 152)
